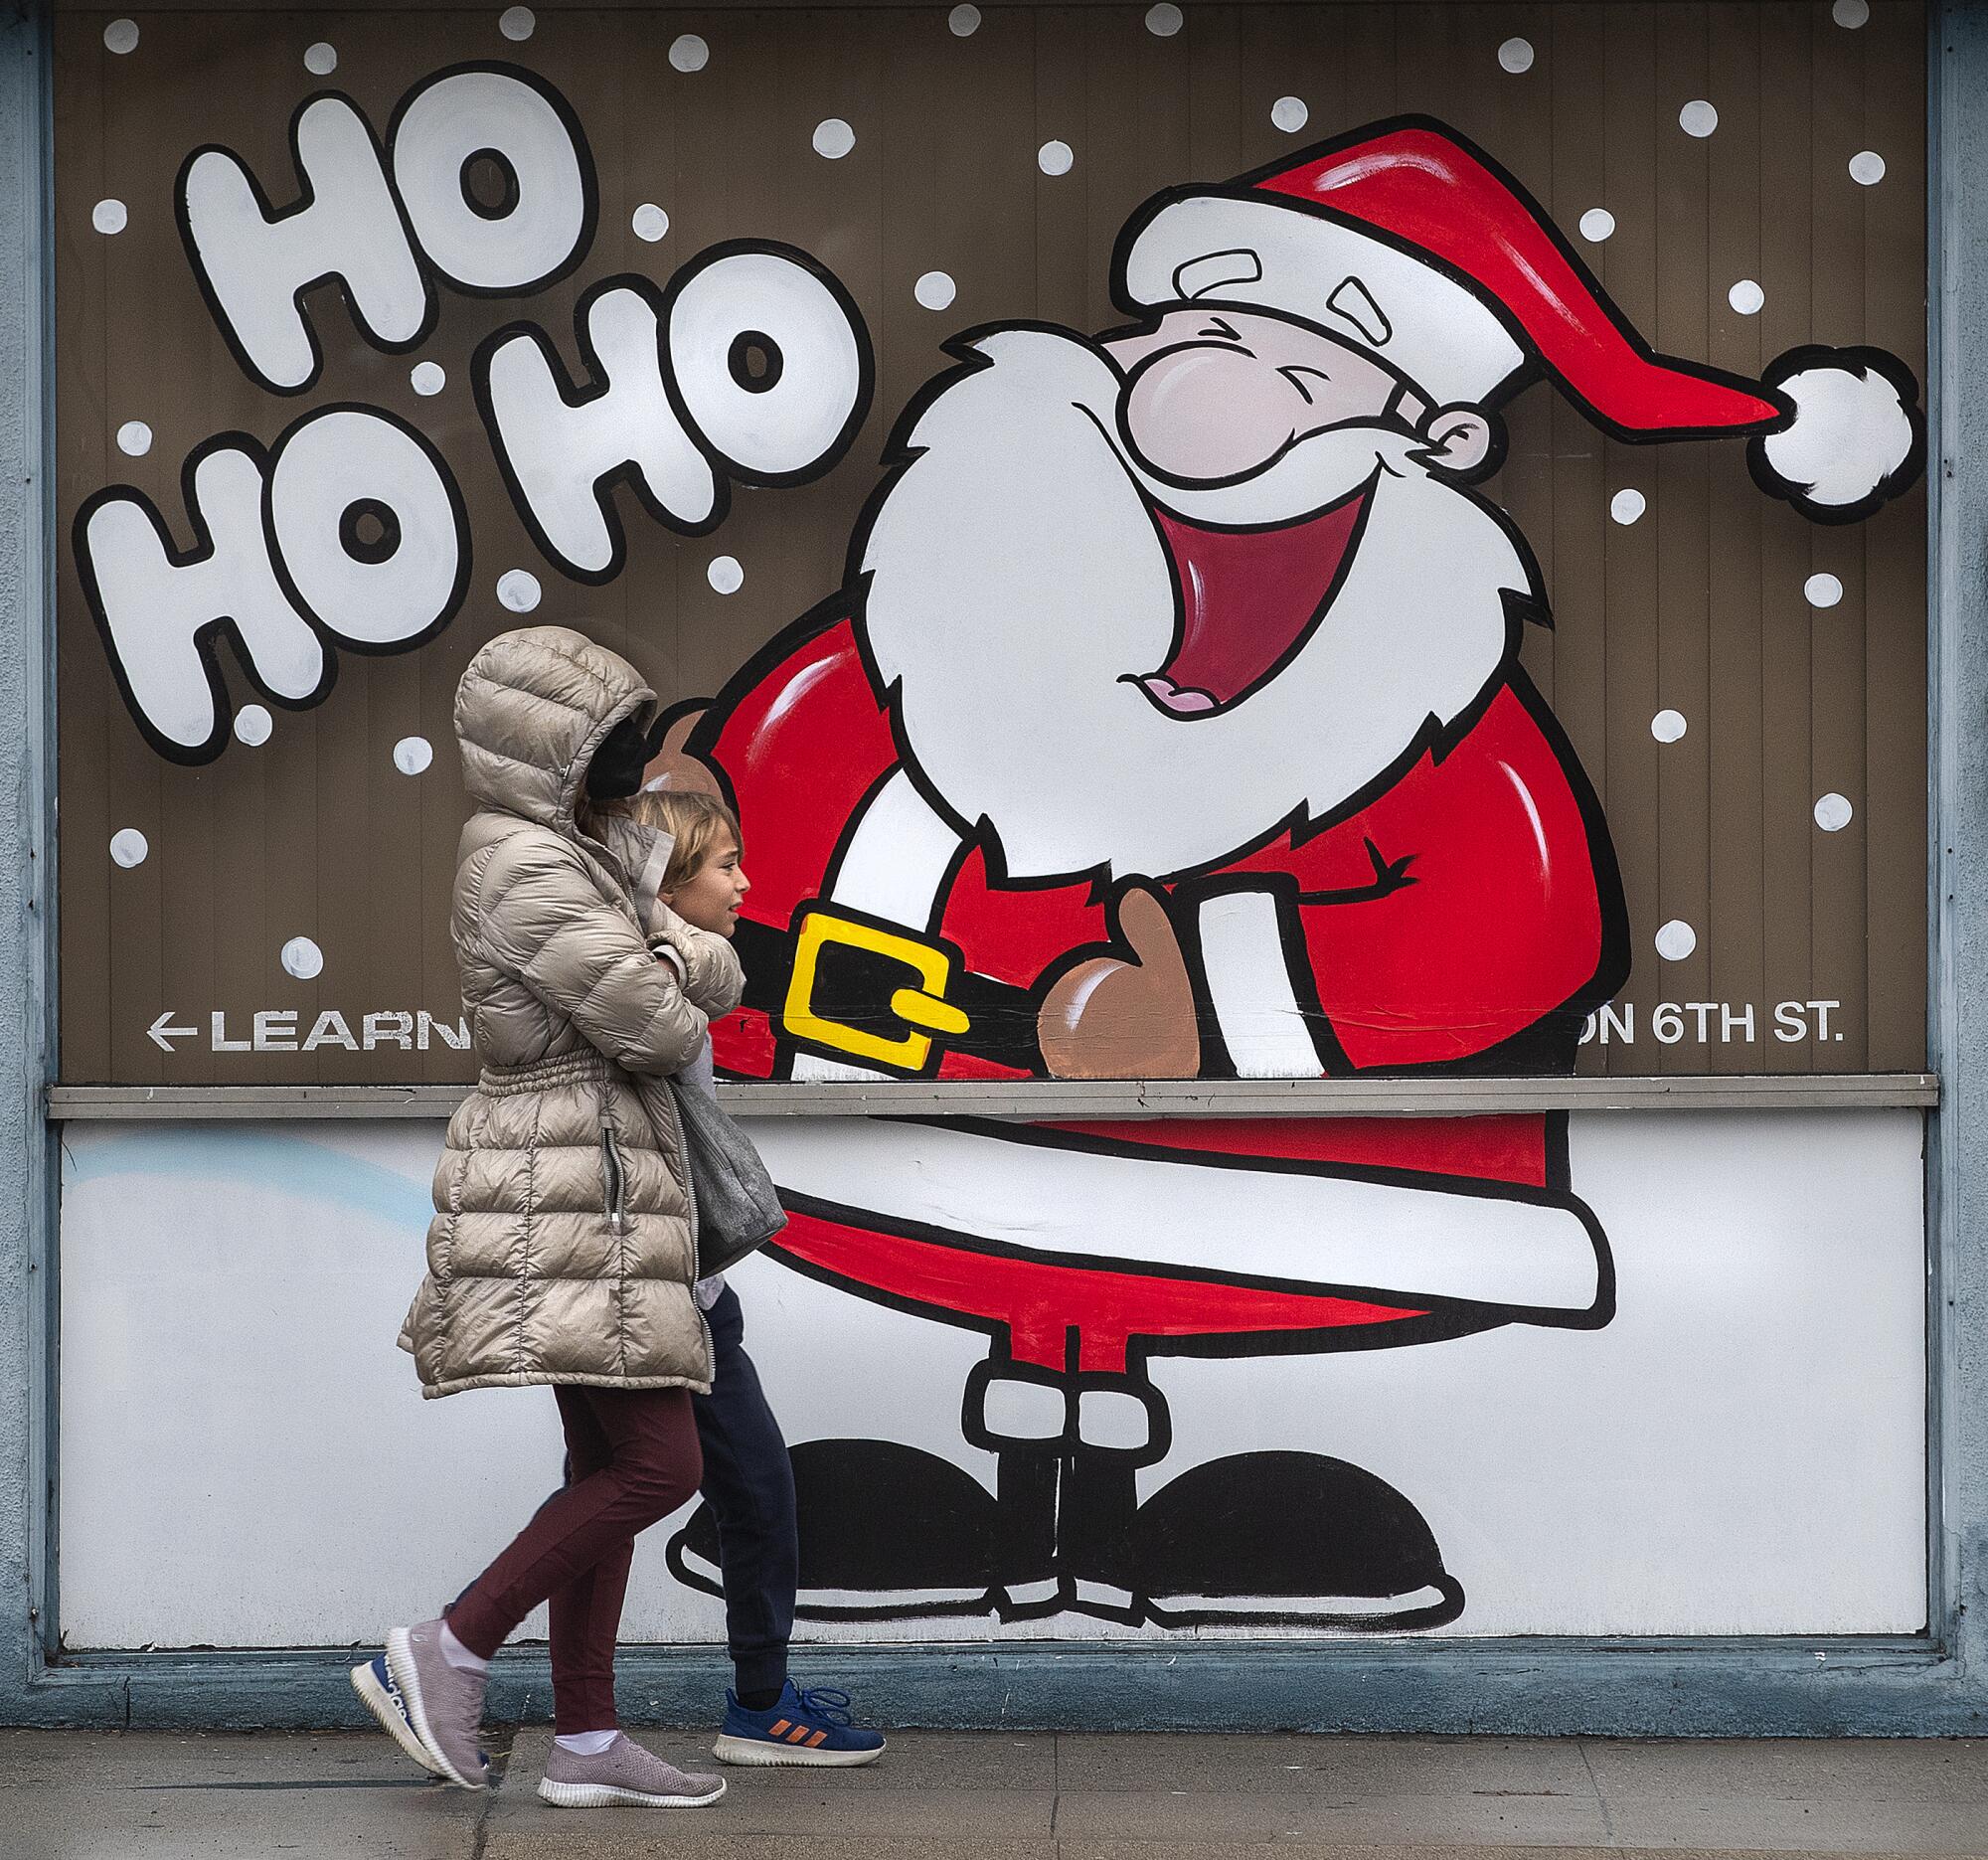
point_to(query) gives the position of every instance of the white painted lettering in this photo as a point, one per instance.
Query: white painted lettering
(390, 1029)
(153, 604)
(370, 528)
(540, 218)
(276, 1030)
(768, 359)
(254, 264)
(455, 1038)
(218, 1040)
(556, 446)
(330, 1029)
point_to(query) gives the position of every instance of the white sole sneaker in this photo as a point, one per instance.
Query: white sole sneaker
(753, 1753)
(401, 1670)
(605, 1795)
(385, 1705)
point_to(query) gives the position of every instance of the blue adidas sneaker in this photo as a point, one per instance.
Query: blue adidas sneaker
(804, 1728)
(376, 1685)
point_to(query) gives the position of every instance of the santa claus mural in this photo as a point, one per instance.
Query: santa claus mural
(1171, 724)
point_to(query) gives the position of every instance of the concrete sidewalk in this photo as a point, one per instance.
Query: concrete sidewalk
(91, 1796)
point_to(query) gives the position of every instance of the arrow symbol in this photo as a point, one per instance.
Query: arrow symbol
(164, 1035)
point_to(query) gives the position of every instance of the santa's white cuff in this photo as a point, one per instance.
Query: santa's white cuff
(1244, 959)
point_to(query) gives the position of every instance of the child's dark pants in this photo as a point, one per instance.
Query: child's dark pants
(750, 1482)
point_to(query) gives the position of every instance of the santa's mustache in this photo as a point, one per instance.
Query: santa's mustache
(1308, 477)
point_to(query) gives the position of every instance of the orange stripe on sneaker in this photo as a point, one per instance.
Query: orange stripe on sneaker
(820, 1737)
(798, 1733)
(780, 1730)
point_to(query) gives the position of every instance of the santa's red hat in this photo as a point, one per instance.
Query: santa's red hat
(1404, 239)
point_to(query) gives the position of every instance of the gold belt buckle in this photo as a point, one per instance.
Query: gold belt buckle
(924, 1008)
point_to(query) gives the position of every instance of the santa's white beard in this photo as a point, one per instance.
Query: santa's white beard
(1018, 581)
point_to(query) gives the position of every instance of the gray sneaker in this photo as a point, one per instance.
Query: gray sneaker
(444, 1706)
(623, 1772)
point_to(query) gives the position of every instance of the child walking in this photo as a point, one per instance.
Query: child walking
(562, 1247)
(688, 873)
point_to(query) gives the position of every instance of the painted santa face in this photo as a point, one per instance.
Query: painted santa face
(1122, 672)
(1214, 394)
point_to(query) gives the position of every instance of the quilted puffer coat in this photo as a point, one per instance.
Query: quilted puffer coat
(564, 1242)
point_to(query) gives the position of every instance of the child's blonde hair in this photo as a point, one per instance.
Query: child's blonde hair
(697, 822)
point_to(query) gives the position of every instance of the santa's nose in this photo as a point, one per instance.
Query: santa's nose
(1214, 412)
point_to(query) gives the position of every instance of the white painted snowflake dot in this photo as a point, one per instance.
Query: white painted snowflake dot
(129, 847)
(1676, 940)
(1290, 114)
(413, 754)
(649, 222)
(1516, 55)
(1597, 223)
(963, 20)
(321, 59)
(428, 378)
(121, 36)
(1746, 297)
(689, 53)
(518, 590)
(1698, 118)
(724, 575)
(517, 23)
(134, 438)
(1867, 169)
(1668, 726)
(1056, 158)
(110, 216)
(1833, 814)
(1164, 19)
(253, 724)
(1822, 591)
(833, 138)
(1626, 506)
(303, 958)
(936, 290)
(1851, 14)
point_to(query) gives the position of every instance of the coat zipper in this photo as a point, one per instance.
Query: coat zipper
(617, 1182)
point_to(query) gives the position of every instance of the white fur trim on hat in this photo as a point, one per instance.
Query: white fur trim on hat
(1264, 253)
(1852, 432)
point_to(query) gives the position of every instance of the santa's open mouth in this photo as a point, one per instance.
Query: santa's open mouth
(1249, 601)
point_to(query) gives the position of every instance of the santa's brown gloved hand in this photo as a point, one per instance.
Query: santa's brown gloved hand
(674, 767)
(1126, 1016)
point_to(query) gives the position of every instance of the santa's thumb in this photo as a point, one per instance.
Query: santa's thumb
(674, 767)
(1146, 930)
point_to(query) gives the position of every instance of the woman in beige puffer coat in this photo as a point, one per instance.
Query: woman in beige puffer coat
(562, 1248)
(564, 1244)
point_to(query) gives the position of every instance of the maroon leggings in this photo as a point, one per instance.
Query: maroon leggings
(634, 1459)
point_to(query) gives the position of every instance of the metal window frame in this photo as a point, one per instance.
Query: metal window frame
(1929, 1684)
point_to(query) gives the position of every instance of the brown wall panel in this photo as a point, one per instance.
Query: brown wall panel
(1696, 606)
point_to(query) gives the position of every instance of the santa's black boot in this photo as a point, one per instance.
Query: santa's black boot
(886, 1532)
(1288, 1538)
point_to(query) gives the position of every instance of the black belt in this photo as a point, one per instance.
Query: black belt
(860, 988)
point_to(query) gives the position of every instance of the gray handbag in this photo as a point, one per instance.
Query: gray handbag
(737, 1208)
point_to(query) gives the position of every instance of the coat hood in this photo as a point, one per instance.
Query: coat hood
(530, 710)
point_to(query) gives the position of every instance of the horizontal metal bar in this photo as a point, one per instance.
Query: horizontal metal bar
(1053, 1099)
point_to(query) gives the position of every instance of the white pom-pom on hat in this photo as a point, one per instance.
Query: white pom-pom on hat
(1853, 439)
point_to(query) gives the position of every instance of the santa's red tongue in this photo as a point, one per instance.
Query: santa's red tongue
(1247, 599)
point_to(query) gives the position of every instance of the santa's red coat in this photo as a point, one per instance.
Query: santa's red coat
(1503, 925)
